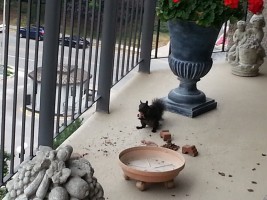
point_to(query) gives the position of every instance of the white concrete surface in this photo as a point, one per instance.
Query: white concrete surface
(231, 139)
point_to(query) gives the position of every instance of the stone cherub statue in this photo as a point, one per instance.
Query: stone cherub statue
(237, 37)
(247, 54)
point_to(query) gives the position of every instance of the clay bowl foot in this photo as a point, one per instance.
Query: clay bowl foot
(169, 184)
(141, 185)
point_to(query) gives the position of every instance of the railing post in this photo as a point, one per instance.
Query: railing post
(49, 73)
(147, 35)
(107, 55)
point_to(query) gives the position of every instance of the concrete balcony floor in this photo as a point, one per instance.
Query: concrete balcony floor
(231, 139)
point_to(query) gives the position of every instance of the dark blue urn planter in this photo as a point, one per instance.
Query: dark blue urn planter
(190, 59)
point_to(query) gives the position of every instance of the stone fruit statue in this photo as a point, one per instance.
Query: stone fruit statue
(55, 175)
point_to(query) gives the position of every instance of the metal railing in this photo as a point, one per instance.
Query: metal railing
(60, 58)
(68, 57)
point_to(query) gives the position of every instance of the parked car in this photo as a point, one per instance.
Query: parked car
(1, 28)
(33, 32)
(74, 42)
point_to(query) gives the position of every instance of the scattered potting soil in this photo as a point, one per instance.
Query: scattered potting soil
(171, 146)
(148, 143)
(221, 173)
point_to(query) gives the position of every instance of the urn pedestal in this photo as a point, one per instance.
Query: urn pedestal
(190, 60)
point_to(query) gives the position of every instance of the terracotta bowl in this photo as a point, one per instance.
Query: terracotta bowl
(151, 164)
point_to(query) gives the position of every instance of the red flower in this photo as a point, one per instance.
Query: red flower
(231, 3)
(176, 1)
(255, 6)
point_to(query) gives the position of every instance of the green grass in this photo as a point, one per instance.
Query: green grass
(67, 132)
(9, 71)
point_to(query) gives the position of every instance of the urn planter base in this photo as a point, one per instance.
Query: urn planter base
(190, 110)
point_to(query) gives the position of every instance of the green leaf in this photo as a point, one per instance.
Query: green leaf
(203, 12)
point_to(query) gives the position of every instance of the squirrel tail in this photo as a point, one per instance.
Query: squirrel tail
(159, 104)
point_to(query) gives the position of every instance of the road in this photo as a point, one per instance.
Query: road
(31, 53)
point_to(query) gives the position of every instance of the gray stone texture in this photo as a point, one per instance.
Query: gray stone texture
(55, 175)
